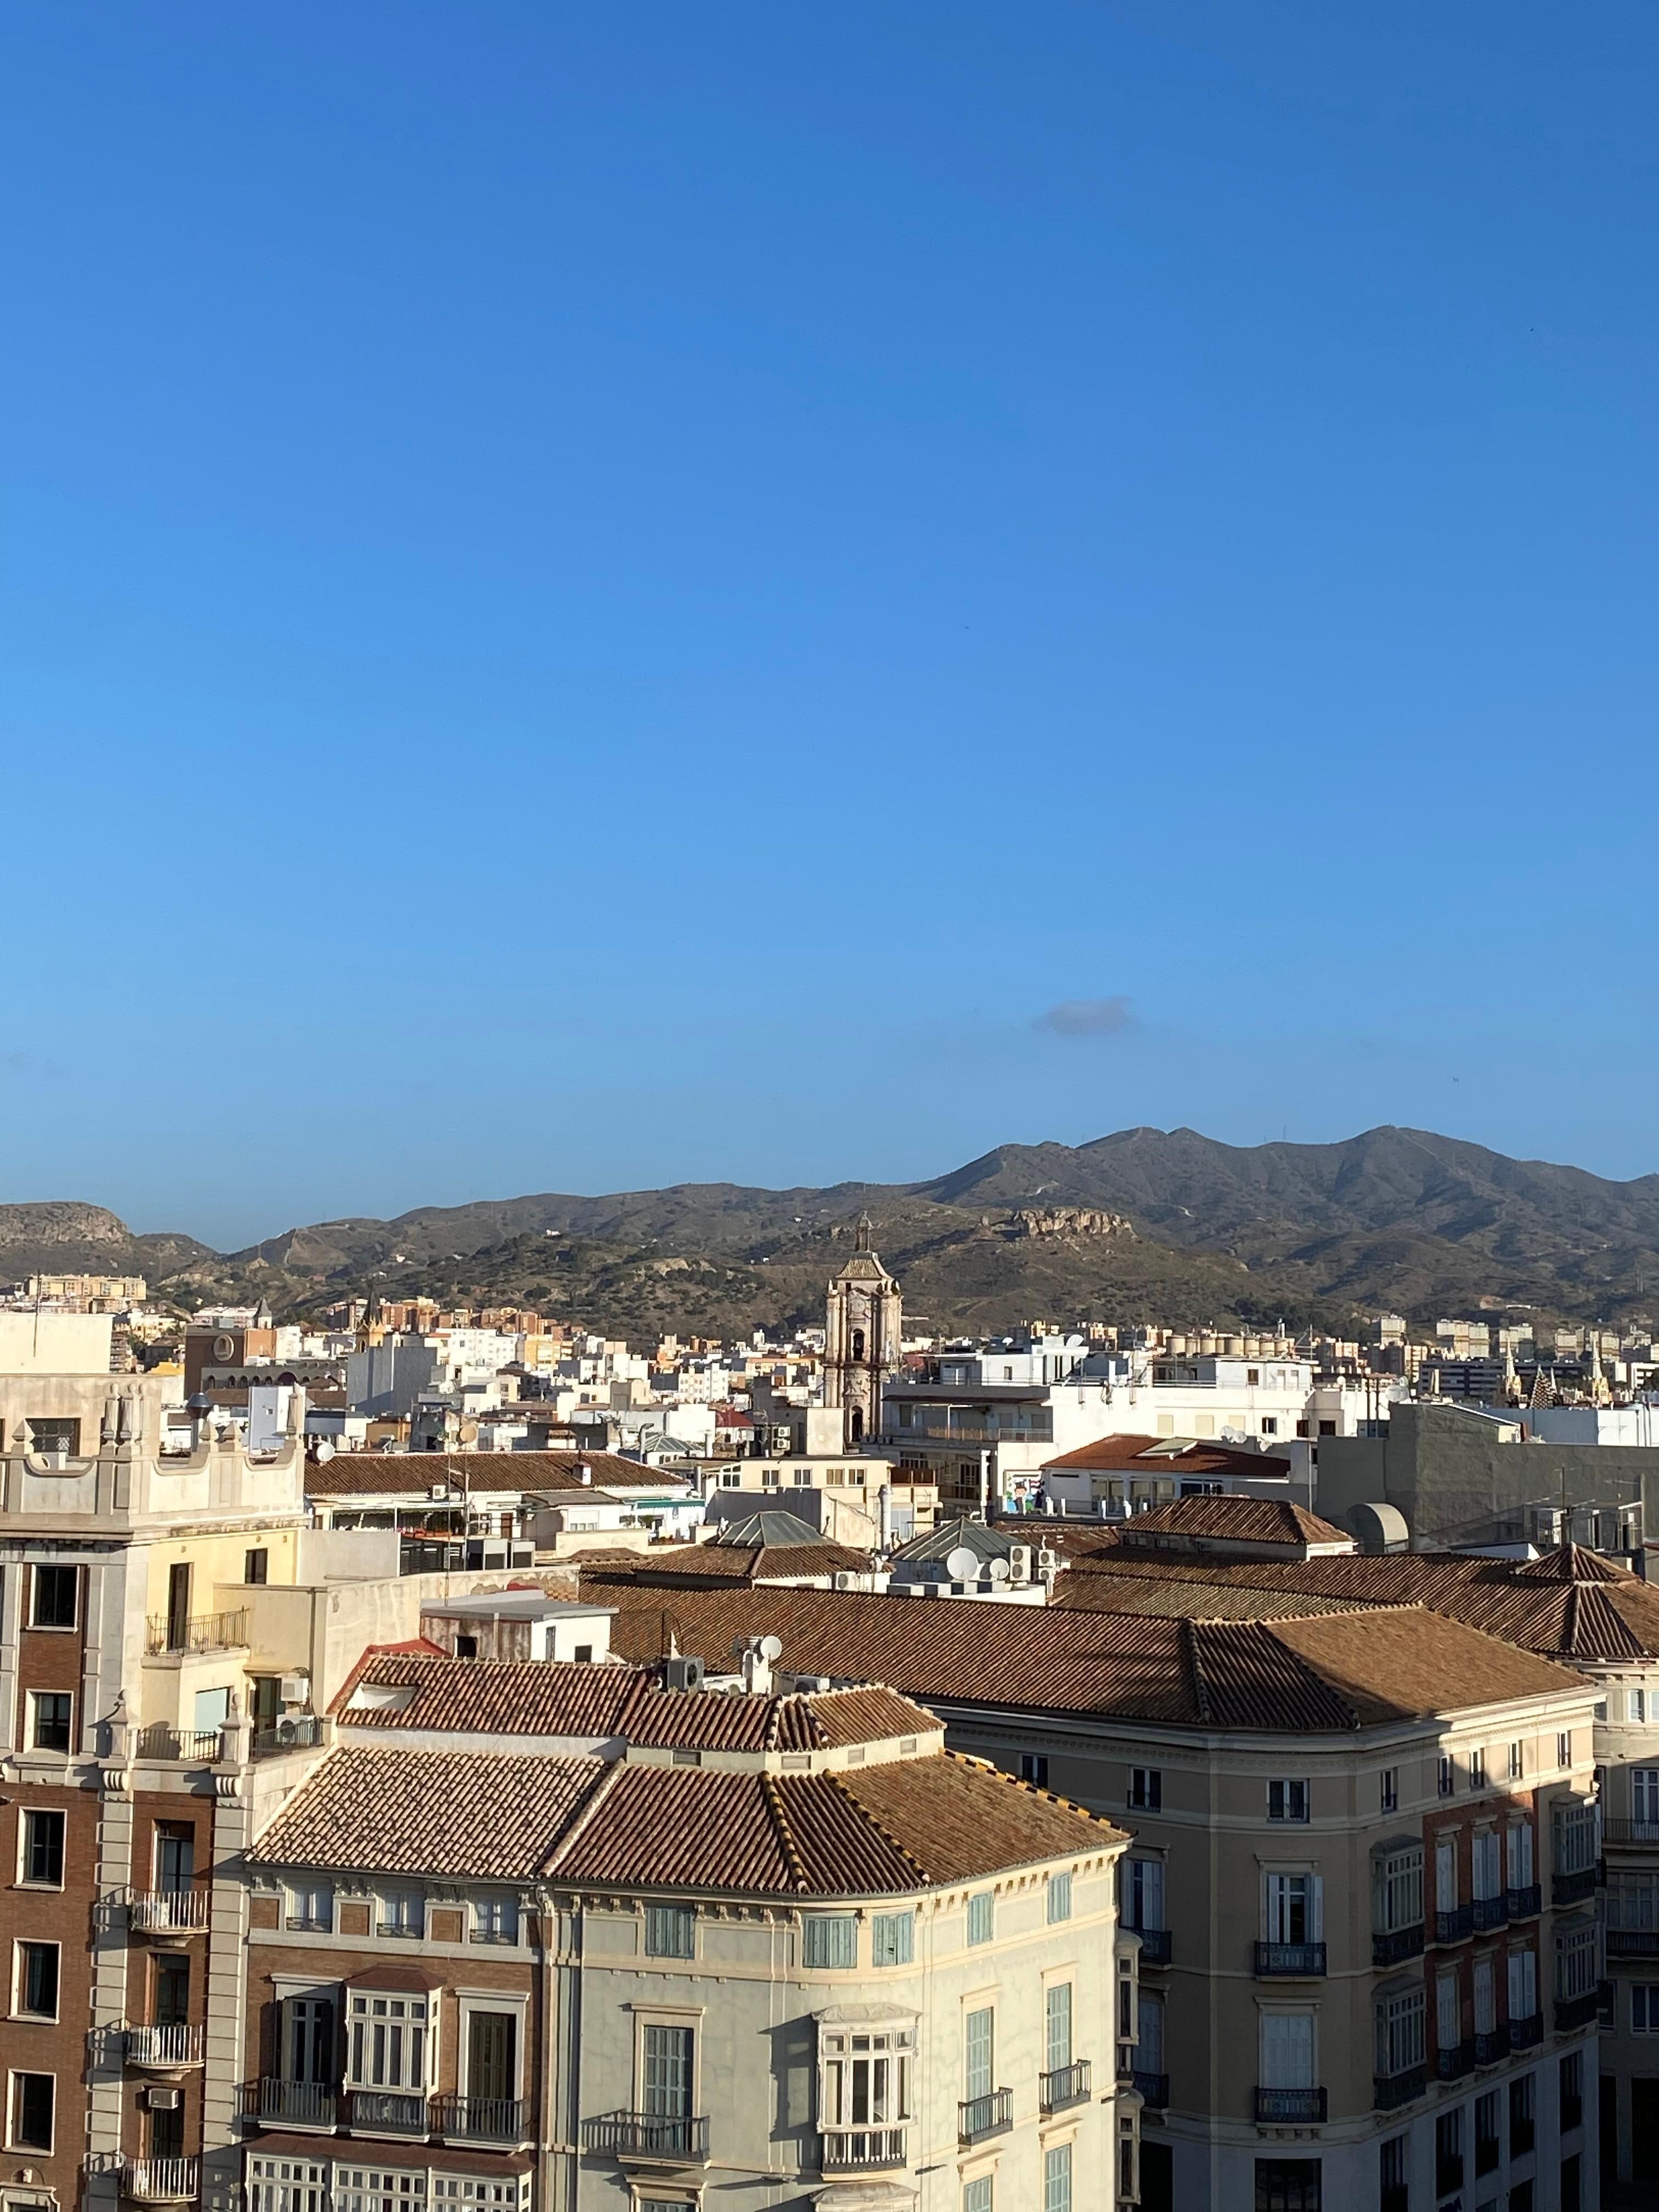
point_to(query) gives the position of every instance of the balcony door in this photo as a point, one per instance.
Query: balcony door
(668, 2073)
(1287, 2050)
(492, 2056)
(178, 1605)
(175, 1859)
(311, 2041)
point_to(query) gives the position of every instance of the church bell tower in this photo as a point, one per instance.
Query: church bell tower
(862, 1336)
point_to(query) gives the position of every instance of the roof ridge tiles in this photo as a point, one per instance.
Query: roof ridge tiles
(586, 1814)
(773, 1797)
(1193, 1663)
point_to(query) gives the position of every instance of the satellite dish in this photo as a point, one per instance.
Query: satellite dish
(771, 1647)
(998, 1571)
(962, 1565)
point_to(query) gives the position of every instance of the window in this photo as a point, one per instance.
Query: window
(1485, 1865)
(671, 1932)
(1287, 1801)
(668, 2054)
(1392, 2174)
(978, 2054)
(1485, 1998)
(388, 2042)
(1478, 1770)
(688, 1758)
(1637, 1705)
(1057, 2026)
(892, 1939)
(1146, 1788)
(1390, 1800)
(1445, 1875)
(492, 2055)
(1573, 2090)
(170, 1989)
(495, 1920)
(1573, 2183)
(1644, 2007)
(1564, 1748)
(1520, 1856)
(1034, 1769)
(1575, 1961)
(1143, 1886)
(830, 1939)
(35, 1984)
(1448, 2152)
(308, 2040)
(53, 1597)
(1269, 1425)
(1286, 2057)
(1292, 1902)
(1515, 1762)
(1288, 2184)
(53, 1714)
(33, 2096)
(1060, 1897)
(1446, 1774)
(1520, 2198)
(1644, 1795)
(1522, 2128)
(1401, 2040)
(403, 1913)
(1149, 2019)
(1057, 2178)
(982, 1907)
(1488, 2148)
(42, 1849)
(1397, 1882)
(1524, 1984)
(864, 2080)
(55, 1434)
(976, 2195)
(254, 1565)
(310, 1903)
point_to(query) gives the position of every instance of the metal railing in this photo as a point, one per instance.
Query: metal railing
(1064, 2085)
(1454, 1926)
(176, 2045)
(1633, 1942)
(1157, 1945)
(1391, 2090)
(1524, 1904)
(202, 1631)
(860, 2149)
(1154, 2088)
(1523, 2034)
(161, 2180)
(200, 1747)
(412, 1930)
(1450, 2064)
(299, 1732)
(387, 2111)
(1290, 2106)
(1620, 1830)
(1576, 2012)
(1300, 1959)
(1390, 1945)
(990, 2115)
(168, 1911)
(1572, 1889)
(647, 2135)
(1490, 1912)
(482, 2120)
(298, 2104)
(1491, 2045)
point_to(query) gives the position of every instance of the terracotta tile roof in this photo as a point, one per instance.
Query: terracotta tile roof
(456, 1812)
(1172, 1456)
(1246, 1519)
(569, 1700)
(881, 1831)
(1248, 1674)
(707, 1565)
(353, 1474)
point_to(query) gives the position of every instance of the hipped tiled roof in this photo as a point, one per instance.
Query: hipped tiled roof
(352, 1474)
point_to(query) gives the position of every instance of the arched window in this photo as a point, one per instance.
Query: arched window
(856, 1423)
(857, 1344)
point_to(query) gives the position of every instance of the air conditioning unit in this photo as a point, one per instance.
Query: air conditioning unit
(682, 1674)
(845, 1579)
(164, 2100)
(295, 1689)
(1019, 1563)
(438, 1490)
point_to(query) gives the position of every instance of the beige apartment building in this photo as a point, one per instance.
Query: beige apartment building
(559, 1934)
(1362, 1872)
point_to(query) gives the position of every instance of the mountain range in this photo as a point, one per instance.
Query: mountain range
(1141, 1224)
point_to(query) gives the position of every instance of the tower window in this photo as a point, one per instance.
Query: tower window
(857, 1344)
(856, 1423)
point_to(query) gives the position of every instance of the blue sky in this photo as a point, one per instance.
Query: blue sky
(597, 597)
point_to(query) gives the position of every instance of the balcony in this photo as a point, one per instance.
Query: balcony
(166, 1638)
(1390, 2091)
(295, 1732)
(979, 2116)
(1157, 1945)
(1454, 1926)
(1491, 2045)
(663, 2139)
(1523, 2034)
(481, 2119)
(1633, 1942)
(1490, 1912)
(1304, 1959)
(1573, 1888)
(1524, 1904)
(1289, 2107)
(172, 2050)
(196, 1746)
(1624, 1832)
(1154, 2089)
(1393, 1944)
(1576, 2012)
(289, 2104)
(161, 2180)
(862, 2150)
(1451, 2065)
(386, 2111)
(1064, 2085)
(167, 1911)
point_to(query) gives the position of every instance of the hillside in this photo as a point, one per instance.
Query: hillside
(1205, 1231)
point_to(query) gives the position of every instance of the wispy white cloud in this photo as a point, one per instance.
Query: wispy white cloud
(1087, 1017)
